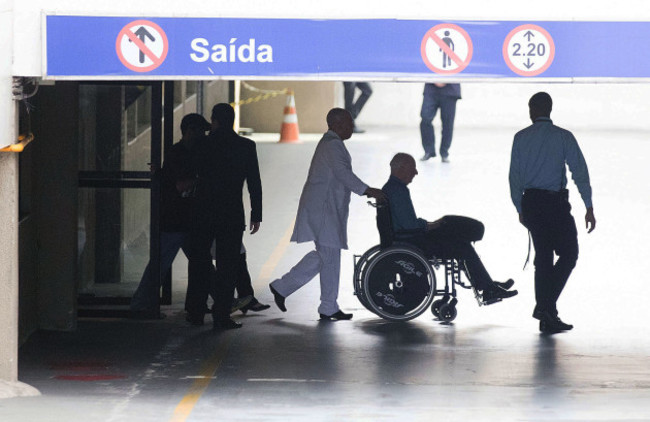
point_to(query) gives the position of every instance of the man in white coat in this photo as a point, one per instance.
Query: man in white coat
(323, 217)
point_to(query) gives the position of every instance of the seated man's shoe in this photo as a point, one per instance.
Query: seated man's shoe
(337, 316)
(426, 156)
(505, 285)
(445, 159)
(240, 303)
(226, 324)
(495, 292)
(195, 319)
(279, 299)
(358, 130)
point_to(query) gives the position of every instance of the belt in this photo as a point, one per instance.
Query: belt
(545, 192)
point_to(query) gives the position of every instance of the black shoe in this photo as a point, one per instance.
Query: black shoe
(226, 324)
(505, 285)
(358, 130)
(551, 320)
(495, 292)
(255, 306)
(279, 299)
(194, 319)
(337, 316)
(240, 303)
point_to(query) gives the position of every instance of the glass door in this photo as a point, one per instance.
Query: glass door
(120, 145)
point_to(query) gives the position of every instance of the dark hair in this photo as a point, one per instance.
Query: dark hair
(224, 115)
(542, 103)
(335, 116)
(196, 121)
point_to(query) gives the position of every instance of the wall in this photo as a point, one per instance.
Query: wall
(484, 105)
(313, 101)
(55, 196)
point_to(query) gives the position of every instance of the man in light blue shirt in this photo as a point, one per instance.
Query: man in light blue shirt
(540, 154)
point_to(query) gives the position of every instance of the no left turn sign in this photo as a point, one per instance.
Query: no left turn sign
(528, 50)
(142, 46)
(446, 48)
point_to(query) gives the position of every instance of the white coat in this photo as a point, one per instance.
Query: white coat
(325, 199)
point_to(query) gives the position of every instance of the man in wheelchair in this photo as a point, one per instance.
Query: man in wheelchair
(450, 237)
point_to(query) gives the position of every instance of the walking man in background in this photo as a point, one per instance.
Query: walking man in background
(323, 216)
(354, 107)
(538, 182)
(438, 96)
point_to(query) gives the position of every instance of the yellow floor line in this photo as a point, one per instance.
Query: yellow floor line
(206, 374)
(209, 369)
(278, 253)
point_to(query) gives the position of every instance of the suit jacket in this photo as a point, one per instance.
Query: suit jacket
(325, 199)
(225, 161)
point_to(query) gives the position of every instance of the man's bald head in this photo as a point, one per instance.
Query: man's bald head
(403, 167)
(340, 121)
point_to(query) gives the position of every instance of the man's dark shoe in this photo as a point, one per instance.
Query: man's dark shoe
(240, 303)
(495, 292)
(254, 306)
(358, 130)
(194, 319)
(505, 285)
(279, 299)
(551, 320)
(549, 327)
(226, 324)
(337, 316)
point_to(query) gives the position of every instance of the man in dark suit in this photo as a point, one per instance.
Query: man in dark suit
(224, 162)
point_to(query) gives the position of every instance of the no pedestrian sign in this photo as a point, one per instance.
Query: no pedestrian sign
(142, 46)
(528, 50)
(446, 49)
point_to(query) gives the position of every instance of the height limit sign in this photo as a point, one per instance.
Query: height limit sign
(528, 50)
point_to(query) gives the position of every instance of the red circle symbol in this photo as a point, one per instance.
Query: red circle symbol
(528, 50)
(446, 48)
(142, 46)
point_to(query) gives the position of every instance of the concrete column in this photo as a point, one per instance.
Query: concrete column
(9, 385)
(8, 206)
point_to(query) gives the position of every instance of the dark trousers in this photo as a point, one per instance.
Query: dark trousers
(244, 284)
(354, 107)
(202, 279)
(430, 106)
(444, 245)
(547, 215)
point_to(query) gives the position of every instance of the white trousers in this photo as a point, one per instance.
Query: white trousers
(323, 260)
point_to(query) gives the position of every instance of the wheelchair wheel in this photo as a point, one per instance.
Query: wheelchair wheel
(448, 312)
(399, 284)
(360, 268)
(436, 305)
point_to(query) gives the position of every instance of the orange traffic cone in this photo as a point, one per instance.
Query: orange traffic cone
(290, 132)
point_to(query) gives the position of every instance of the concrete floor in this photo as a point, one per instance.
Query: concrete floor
(491, 363)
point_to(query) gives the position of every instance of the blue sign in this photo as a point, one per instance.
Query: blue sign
(134, 47)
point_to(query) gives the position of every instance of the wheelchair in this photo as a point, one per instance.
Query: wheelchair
(397, 281)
